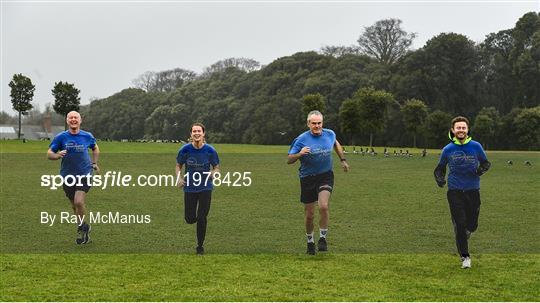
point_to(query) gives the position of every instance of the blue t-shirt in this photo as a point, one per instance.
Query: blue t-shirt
(463, 160)
(319, 159)
(197, 161)
(77, 161)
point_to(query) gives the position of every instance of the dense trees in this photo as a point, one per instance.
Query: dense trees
(437, 127)
(486, 126)
(527, 128)
(414, 114)
(444, 74)
(372, 110)
(312, 102)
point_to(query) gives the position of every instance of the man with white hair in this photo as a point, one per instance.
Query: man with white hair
(314, 150)
(72, 147)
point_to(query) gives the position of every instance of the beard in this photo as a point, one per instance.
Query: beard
(461, 135)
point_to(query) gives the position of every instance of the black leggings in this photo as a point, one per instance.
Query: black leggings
(193, 214)
(465, 209)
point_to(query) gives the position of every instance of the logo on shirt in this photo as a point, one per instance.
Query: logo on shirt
(74, 147)
(192, 162)
(318, 150)
(460, 158)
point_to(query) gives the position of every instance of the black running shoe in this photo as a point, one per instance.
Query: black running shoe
(83, 234)
(310, 248)
(80, 235)
(86, 233)
(322, 244)
(200, 250)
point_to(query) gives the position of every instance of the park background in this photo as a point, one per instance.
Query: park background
(391, 236)
(377, 90)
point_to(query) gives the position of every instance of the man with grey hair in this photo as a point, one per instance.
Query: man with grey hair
(314, 149)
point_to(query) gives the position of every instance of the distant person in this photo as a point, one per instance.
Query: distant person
(200, 160)
(467, 162)
(72, 147)
(314, 150)
(424, 153)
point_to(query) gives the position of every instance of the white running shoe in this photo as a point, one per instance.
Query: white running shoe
(466, 262)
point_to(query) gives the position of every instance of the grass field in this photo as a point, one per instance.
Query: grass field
(390, 237)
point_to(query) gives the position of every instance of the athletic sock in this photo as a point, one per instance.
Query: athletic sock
(323, 232)
(310, 238)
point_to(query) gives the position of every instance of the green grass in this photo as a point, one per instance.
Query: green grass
(390, 234)
(263, 277)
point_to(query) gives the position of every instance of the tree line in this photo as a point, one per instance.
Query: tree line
(378, 92)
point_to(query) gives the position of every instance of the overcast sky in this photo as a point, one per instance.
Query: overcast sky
(101, 47)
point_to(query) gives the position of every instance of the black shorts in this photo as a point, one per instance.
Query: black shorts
(310, 186)
(70, 190)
